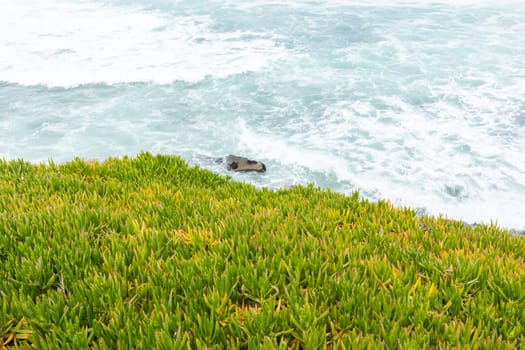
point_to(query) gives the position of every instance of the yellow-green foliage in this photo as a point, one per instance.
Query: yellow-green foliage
(147, 252)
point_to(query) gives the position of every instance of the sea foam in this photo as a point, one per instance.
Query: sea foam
(65, 43)
(420, 103)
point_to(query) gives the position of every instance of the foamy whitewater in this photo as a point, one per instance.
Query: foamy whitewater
(421, 103)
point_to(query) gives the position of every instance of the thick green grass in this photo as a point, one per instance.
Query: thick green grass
(149, 253)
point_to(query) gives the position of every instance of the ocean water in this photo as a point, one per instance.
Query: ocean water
(421, 103)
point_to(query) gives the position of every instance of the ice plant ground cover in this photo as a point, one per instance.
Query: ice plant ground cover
(147, 252)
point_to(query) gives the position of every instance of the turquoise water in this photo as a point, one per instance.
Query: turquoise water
(420, 103)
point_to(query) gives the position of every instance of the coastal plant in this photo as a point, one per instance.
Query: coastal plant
(148, 252)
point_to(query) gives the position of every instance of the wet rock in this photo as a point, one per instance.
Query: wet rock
(237, 163)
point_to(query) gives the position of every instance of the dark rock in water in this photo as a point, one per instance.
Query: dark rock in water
(236, 163)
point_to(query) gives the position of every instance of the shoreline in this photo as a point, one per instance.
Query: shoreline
(213, 168)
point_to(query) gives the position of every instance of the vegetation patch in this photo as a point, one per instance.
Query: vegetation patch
(148, 253)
